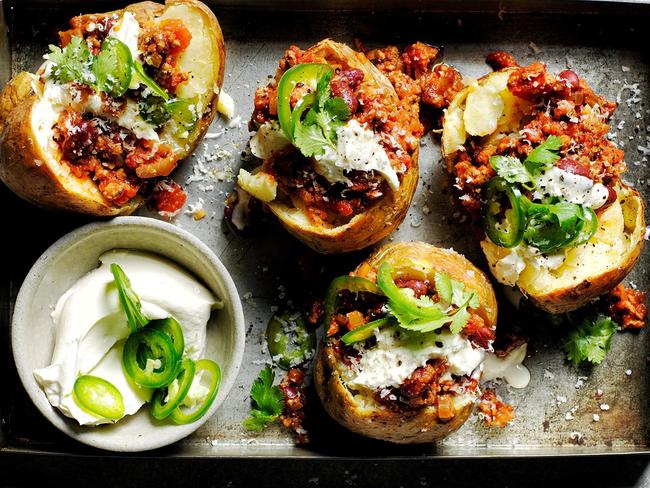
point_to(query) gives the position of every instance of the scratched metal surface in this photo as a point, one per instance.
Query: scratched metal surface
(271, 269)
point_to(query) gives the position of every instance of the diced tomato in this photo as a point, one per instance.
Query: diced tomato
(179, 31)
(169, 197)
(344, 208)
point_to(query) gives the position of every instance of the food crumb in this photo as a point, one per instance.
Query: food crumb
(596, 417)
(628, 372)
(604, 406)
(577, 438)
(199, 214)
(493, 411)
(580, 382)
(568, 416)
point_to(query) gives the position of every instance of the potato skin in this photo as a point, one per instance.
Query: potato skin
(373, 420)
(412, 427)
(383, 217)
(33, 172)
(559, 298)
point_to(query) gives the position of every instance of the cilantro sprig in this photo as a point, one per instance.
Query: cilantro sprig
(318, 129)
(590, 340)
(110, 71)
(539, 160)
(72, 63)
(423, 314)
(268, 401)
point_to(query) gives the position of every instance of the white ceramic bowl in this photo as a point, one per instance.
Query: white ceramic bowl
(76, 254)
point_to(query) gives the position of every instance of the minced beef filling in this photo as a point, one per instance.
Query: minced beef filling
(113, 157)
(563, 106)
(120, 163)
(161, 44)
(424, 386)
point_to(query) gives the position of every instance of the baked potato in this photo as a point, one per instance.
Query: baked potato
(336, 180)
(523, 135)
(127, 95)
(399, 380)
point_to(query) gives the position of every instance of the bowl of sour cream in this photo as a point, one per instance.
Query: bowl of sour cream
(68, 321)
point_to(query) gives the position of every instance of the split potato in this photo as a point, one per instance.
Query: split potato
(356, 408)
(486, 110)
(31, 160)
(377, 221)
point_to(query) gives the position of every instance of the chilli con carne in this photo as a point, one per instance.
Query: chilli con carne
(398, 123)
(563, 106)
(94, 145)
(359, 305)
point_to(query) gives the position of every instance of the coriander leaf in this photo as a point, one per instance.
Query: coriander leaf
(428, 326)
(327, 126)
(591, 340)
(337, 109)
(323, 88)
(268, 401)
(543, 156)
(128, 299)
(474, 301)
(460, 319)
(258, 420)
(510, 169)
(310, 140)
(409, 318)
(458, 294)
(72, 63)
(443, 287)
(317, 130)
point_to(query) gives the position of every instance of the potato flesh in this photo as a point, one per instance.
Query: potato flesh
(484, 106)
(197, 59)
(611, 244)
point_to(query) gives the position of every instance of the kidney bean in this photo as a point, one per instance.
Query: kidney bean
(343, 85)
(569, 78)
(498, 60)
(573, 166)
(611, 198)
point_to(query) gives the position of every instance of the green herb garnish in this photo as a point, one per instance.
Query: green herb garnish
(590, 340)
(268, 401)
(539, 160)
(72, 63)
(423, 314)
(318, 129)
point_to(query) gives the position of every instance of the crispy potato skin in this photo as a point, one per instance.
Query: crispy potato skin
(419, 260)
(32, 171)
(382, 218)
(559, 298)
(413, 427)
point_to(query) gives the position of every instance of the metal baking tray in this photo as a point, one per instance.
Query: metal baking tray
(605, 42)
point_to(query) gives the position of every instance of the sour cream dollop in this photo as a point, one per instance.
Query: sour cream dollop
(358, 148)
(395, 355)
(571, 188)
(91, 327)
